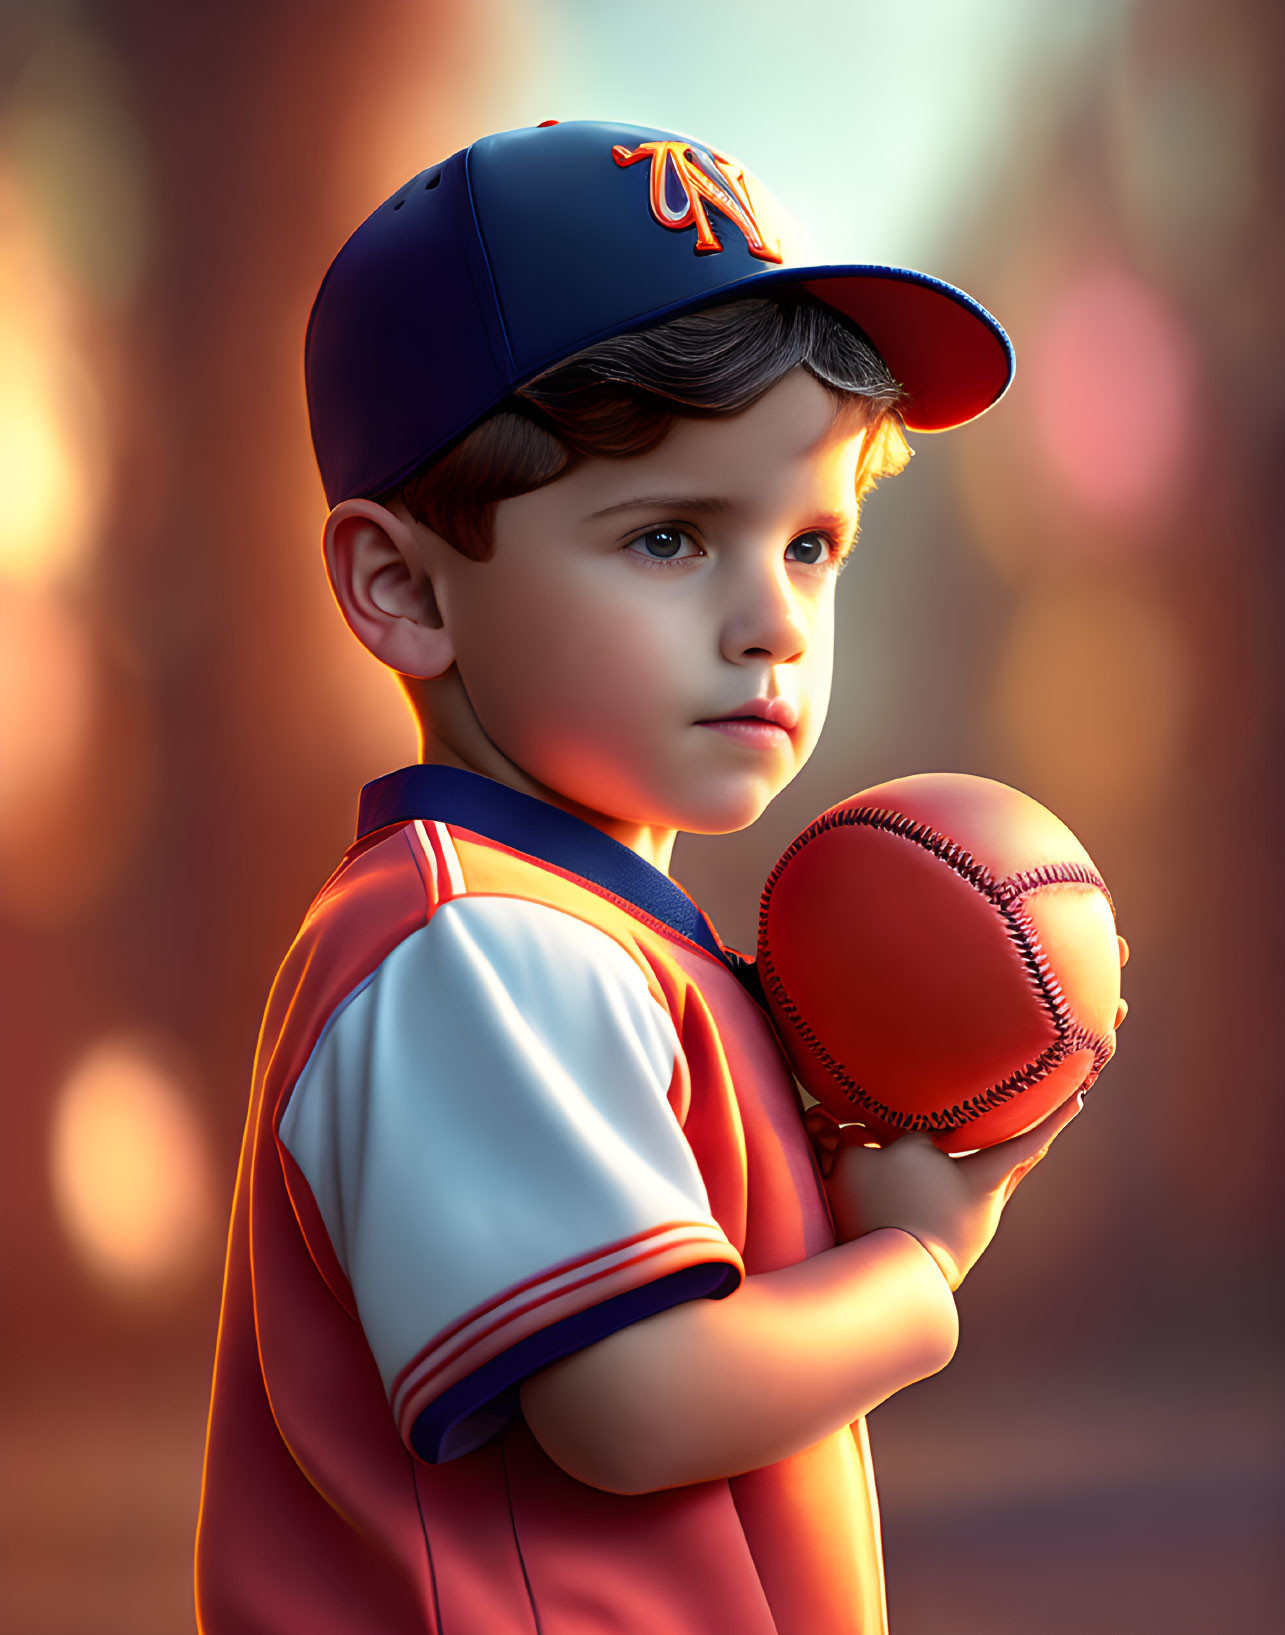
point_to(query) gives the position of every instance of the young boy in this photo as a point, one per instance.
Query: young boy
(539, 1316)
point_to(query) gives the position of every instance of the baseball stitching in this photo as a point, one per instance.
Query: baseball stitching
(1005, 896)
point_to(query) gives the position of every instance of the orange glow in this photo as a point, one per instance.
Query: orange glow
(1090, 695)
(47, 677)
(77, 756)
(128, 1165)
(52, 444)
(885, 454)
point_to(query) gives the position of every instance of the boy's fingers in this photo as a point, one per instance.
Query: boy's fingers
(1011, 1160)
(1122, 1010)
(1124, 951)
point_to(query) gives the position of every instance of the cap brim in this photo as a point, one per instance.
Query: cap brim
(951, 357)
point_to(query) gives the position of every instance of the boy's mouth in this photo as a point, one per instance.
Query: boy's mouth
(778, 712)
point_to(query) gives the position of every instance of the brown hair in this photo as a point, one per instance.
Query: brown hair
(621, 396)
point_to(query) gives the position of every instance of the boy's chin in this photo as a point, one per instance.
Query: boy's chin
(725, 816)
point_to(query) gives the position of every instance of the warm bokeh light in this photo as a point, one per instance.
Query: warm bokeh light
(77, 755)
(53, 447)
(36, 468)
(1089, 694)
(47, 685)
(1110, 379)
(128, 1163)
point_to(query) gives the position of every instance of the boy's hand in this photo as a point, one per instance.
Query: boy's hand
(952, 1205)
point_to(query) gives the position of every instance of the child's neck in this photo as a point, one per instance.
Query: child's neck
(652, 842)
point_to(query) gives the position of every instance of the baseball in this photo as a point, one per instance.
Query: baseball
(939, 954)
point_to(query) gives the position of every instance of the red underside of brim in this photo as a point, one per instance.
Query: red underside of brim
(952, 365)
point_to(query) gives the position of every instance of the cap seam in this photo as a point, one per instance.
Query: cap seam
(507, 363)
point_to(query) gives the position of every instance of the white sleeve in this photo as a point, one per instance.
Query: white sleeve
(486, 1129)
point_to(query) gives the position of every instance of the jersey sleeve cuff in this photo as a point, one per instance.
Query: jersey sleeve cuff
(441, 1423)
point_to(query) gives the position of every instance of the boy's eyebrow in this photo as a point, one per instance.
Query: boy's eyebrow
(685, 502)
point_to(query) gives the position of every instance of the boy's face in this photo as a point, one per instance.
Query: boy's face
(633, 602)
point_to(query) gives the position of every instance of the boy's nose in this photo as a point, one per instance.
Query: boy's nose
(764, 619)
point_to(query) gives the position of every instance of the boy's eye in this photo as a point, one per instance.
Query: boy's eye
(662, 544)
(814, 549)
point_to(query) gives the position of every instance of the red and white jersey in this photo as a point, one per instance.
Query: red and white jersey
(509, 1097)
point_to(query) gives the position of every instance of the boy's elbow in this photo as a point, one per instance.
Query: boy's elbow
(603, 1463)
(578, 1430)
(599, 1467)
(598, 1414)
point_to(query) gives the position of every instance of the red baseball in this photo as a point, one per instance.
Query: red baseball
(939, 953)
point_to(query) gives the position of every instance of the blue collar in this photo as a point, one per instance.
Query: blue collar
(526, 824)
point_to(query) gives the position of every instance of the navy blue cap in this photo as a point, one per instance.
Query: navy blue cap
(530, 245)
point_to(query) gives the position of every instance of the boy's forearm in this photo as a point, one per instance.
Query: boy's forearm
(712, 1388)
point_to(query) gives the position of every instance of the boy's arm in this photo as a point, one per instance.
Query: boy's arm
(712, 1388)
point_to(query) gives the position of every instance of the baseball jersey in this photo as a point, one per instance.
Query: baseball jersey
(510, 1095)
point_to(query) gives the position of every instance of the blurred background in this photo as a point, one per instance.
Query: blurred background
(1080, 595)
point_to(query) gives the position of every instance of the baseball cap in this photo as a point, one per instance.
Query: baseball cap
(530, 245)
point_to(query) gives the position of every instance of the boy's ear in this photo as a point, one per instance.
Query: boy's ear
(379, 573)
